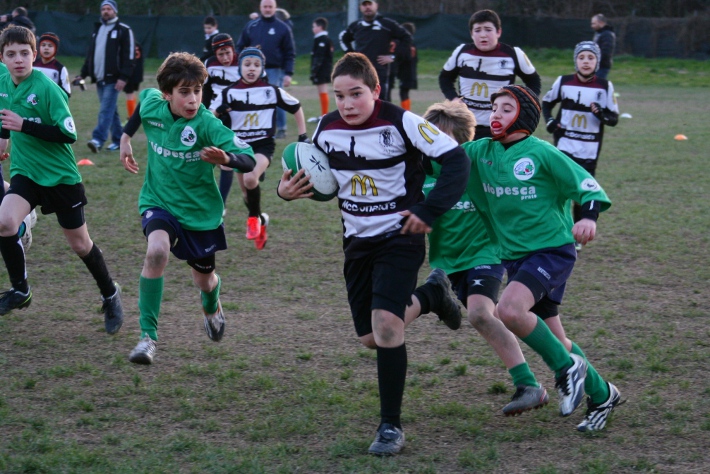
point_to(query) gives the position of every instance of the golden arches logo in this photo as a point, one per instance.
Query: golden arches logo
(479, 89)
(427, 127)
(362, 181)
(579, 121)
(251, 120)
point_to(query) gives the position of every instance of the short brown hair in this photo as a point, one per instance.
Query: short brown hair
(322, 22)
(357, 66)
(180, 68)
(14, 34)
(483, 16)
(454, 119)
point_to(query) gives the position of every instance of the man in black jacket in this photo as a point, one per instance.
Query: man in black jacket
(373, 36)
(19, 18)
(109, 62)
(605, 38)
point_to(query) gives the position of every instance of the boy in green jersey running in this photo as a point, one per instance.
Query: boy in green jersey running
(180, 201)
(523, 185)
(460, 247)
(36, 117)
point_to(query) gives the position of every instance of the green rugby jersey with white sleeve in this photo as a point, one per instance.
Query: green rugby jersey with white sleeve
(176, 179)
(40, 100)
(525, 190)
(459, 240)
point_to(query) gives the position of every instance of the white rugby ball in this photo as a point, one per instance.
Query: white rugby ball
(315, 162)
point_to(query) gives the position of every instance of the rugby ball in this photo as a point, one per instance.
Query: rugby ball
(315, 162)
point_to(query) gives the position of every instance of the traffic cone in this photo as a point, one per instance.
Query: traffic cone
(85, 162)
(680, 137)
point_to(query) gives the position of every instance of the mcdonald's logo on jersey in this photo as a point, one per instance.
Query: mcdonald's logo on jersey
(579, 121)
(425, 129)
(363, 181)
(479, 89)
(251, 120)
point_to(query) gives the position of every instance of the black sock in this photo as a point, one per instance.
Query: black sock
(430, 297)
(225, 184)
(391, 375)
(14, 256)
(254, 201)
(96, 264)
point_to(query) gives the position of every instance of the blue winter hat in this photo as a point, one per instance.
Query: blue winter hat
(110, 3)
(590, 46)
(256, 53)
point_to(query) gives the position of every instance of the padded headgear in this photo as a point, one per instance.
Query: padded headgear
(52, 37)
(528, 110)
(221, 40)
(252, 52)
(590, 46)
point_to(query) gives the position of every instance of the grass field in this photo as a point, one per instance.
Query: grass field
(289, 389)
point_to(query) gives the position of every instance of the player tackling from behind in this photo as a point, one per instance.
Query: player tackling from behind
(375, 151)
(180, 201)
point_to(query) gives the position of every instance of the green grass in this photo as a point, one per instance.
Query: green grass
(290, 389)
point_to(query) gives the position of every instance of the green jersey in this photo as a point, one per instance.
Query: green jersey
(458, 240)
(176, 178)
(40, 100)
(525, 191)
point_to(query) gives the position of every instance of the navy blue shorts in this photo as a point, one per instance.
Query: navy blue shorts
(184, 244)
(381, 274)
(480, 280)
(545, 272)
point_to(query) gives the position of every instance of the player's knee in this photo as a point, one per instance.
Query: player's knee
(368, 341)
(251, 180)
(508, 313)
(157, 256)
(478, 317)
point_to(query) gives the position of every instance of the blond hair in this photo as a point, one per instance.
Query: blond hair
(454, 119)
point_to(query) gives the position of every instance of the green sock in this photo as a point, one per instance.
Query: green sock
(209, 300)
(552, 351)
(594, 384)
(150, 295)
(522, 375)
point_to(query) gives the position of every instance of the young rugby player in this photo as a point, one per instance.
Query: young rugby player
(180, 201)
(375, 151)
(35, 116)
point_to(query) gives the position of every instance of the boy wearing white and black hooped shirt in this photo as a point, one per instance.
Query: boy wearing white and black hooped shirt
(375, 151)
(483, 67)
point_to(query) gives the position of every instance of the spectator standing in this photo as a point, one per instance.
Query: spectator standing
(109, 62)
(373, 35)
(211, 28)
(605, 37)
(46, 61)
(275, 39)
(19, 18)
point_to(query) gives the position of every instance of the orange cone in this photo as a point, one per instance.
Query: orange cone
(680, 137)
(85, 162)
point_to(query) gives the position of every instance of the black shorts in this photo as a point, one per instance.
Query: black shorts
(407, 75)
(131, 87)
(60, 199)
(381, 273)
(184, 244)
(321, 77)
(590, 166)
(481, 280)
(265, 146)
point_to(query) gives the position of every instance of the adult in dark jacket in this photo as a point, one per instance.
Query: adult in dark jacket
(275, 39)
(605, 38)
(373, 36)
(109, 62)
(19, 18)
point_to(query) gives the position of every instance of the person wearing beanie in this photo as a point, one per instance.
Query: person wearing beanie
(249, 108)
(520, 185)
(46, 61)
(605, 37)
(275, 39)
(109, 63)
(587, 104)
(484, 66)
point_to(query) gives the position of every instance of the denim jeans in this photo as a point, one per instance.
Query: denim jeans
(276, 78)
(108, 114)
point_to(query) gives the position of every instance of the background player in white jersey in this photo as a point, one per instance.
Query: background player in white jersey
(249, 108)
(483, 67)
(35, 115)
(587, 104)
(47, 61)
(179, 200)
(522, 185)
(375, 151)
